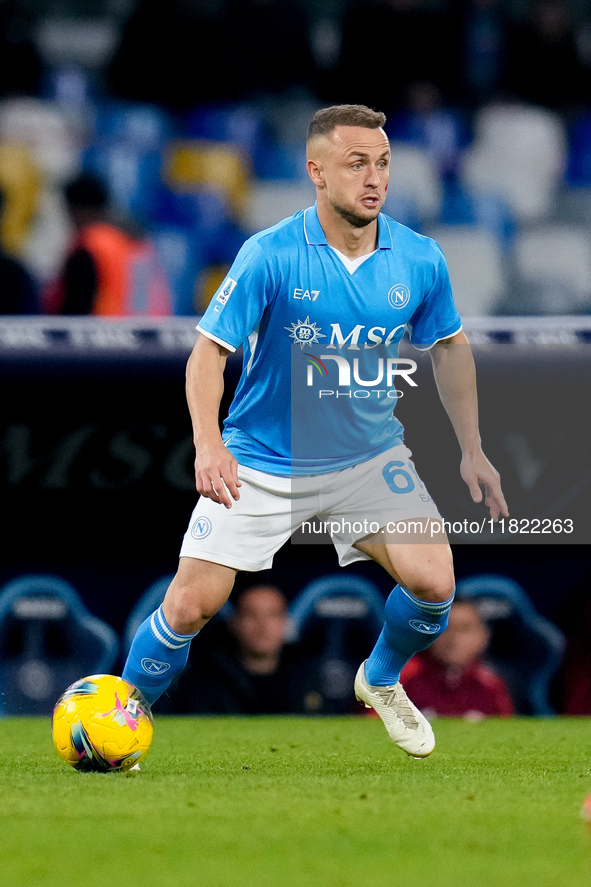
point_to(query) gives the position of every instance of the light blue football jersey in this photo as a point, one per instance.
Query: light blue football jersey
(320, 342)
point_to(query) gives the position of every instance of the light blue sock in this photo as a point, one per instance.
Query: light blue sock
(410, 625)
(156, 655)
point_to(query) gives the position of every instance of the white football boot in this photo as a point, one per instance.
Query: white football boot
(406, 726)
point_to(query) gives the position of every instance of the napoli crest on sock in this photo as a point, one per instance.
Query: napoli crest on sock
(425, 627)
(155, 666)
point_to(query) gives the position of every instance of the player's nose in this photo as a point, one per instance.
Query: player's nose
(373, 177)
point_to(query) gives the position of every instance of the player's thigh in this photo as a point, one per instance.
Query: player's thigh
(425, 568)
(383, 503)
(247, 535)
(196, 593)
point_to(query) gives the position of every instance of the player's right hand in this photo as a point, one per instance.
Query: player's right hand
(216, 475)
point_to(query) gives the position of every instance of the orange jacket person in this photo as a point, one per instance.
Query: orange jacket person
(108, 270)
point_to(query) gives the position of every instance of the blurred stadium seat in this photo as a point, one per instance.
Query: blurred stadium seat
(579, 156)
(48, 640)
(337, 619)
(489, 211)
(49, 235)
(193, 165)
(553, 270)
(440, 131)
(414, 175)
(54, 138)
(141, 125)
(275, 161)
(182, 261)
(270, 202)
(476, 267)
(244, 127)
(519, 152)
(239, 124)
(20, 183)
(525, 648)
(131, 174)
(55, 141)
(212, 232)
(403, 208)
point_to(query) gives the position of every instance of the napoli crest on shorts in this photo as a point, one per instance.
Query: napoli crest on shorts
(201, 527)
(399, 296)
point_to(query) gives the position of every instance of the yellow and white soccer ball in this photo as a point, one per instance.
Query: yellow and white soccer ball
(102, 723)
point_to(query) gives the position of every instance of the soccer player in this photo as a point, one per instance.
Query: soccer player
(346, 277)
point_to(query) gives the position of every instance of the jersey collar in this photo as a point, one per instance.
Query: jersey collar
(315, 236)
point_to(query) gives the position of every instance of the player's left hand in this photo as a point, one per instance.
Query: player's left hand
(478, 472)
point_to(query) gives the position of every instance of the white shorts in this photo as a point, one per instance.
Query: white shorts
(351, 504)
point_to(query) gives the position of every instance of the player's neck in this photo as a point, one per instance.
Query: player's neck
(353, 242)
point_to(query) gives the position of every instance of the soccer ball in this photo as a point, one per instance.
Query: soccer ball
(102, 723)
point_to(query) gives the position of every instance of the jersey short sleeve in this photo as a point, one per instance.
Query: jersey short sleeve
(436, 317)
(237, 306)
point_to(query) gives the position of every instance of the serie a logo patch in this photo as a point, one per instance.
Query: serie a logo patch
(226, 290)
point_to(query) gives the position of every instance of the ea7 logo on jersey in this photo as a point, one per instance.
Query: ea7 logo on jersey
(306, 294)
(226, 290)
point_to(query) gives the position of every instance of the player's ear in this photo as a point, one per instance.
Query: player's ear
(316, 172)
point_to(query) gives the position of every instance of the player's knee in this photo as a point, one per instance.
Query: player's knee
(432, 588)
(184, 610)
(188, 608)
(196, 594)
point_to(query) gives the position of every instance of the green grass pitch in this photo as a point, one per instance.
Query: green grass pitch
(295, 802)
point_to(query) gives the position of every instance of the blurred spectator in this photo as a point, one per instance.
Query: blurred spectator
(18, 291)
(249, 669)
(450, 679)
(108, 271)
(21, 68)
(543, 62)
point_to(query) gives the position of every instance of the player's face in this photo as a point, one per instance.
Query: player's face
(352, 173)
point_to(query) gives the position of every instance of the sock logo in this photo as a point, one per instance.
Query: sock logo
(154, 666)
(201, 527)
(424, 627)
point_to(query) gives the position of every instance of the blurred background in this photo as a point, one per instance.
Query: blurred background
(161, 135)
(194, 112)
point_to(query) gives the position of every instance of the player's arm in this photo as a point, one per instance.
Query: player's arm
(455, 375)
(216, 469)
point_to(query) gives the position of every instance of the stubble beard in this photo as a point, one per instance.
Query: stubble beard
(353, 219)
